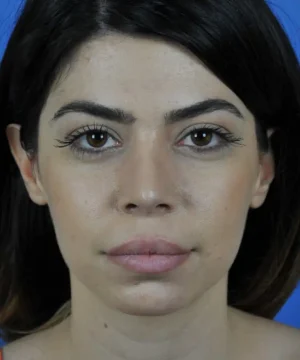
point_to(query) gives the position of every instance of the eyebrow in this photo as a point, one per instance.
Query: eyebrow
(124, 117)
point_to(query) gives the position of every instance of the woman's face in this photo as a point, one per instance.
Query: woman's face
(191, 180)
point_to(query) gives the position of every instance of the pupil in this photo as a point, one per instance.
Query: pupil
(202, 137)
(97, 139)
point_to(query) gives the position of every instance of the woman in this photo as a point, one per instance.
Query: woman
(150, 183)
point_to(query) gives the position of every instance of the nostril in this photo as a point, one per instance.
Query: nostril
(163, 206)
(147, 208)
(131, 207)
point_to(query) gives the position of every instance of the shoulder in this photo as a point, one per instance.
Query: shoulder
(26, 348)
(43, 345)
(265, 339)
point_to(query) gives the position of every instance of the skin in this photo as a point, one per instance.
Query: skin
(198, 200)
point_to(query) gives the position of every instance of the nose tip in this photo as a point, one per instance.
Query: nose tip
(146, 185)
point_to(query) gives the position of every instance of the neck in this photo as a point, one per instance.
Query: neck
(199, 331)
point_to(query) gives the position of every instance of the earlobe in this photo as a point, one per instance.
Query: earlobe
(26, 165)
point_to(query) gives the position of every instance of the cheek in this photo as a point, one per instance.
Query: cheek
(76, 199)
(223, 202)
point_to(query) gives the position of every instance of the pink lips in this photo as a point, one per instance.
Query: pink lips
(149, 255)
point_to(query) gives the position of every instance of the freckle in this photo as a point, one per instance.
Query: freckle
(105, 325)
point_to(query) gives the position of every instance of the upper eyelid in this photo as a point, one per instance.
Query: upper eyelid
(96, 127)
(101, 127)
(207, 126)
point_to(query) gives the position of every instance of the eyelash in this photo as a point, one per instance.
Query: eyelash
(70, 140)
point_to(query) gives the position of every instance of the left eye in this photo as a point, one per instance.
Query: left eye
(201, 138)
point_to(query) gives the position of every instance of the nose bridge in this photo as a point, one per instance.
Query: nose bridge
(147, 180)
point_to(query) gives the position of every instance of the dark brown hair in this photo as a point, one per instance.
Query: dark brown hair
(243, 44)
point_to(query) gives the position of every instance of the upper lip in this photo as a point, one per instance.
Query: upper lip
(146, 245)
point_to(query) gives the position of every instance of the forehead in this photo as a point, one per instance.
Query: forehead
(132, 72)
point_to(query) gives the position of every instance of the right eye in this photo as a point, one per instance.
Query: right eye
(90, 140)
(95, 140)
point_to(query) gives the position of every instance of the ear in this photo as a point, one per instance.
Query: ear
(26, 164)
(265, 177)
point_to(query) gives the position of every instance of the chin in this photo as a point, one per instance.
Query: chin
(150, 299)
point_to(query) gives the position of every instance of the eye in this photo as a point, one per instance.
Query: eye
(96, 140)
(208, 138)
(90, 140)
(200, 137)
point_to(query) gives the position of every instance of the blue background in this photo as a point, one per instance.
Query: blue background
(287, 11)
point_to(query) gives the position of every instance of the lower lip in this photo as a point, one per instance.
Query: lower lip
(149, 264)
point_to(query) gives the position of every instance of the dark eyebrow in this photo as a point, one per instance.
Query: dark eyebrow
(201, 108)
(123, 117)
(97, 110)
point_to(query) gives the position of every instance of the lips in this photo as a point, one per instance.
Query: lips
(149, 255)
(148, 246)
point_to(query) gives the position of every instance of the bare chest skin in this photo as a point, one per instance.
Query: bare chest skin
(252, 338)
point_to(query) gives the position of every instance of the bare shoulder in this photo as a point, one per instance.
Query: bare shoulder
(265, 339)
(30, 347)
(43, 345)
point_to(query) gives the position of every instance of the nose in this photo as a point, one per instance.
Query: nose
(147, 186)
(148, 203)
